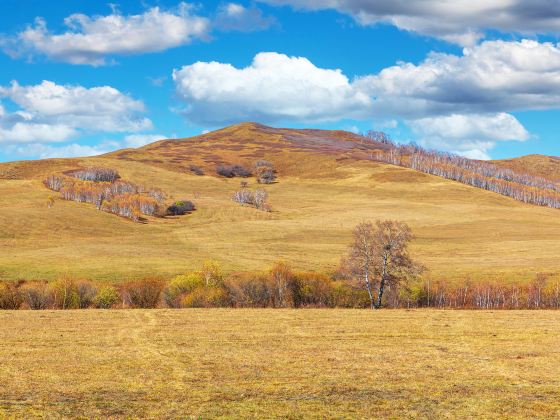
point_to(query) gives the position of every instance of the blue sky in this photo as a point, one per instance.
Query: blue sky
(480, 79)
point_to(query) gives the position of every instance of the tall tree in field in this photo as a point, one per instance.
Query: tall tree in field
(379, 255)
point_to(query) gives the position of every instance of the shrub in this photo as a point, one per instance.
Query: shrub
(180, 208)
(265, 175)
(65, 294)
(259, 200)
(230, 171)
(249, 291)
(181, 286)
(157, 193)
(106, 297)
(197, 170)
(206, 297)
(312, 289)
(346, 296)
(265, 172)
(255, 198)
(86, 294)
(143, 293)
(244, 196)
(283, 281)
(37, 295)
(211, 273)
(54, 182)
(10, 296)
(96, 175)
(263, 163)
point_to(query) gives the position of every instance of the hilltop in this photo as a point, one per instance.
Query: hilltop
(538, 165)
(326, 185)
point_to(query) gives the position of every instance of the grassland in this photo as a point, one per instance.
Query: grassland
(325, 188)
(280, 363)
(538, 165)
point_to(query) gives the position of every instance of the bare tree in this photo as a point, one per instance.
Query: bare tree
(379, 136)
(379, 254)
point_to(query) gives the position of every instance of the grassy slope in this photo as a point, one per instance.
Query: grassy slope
(537, 165)
(279, 363)
(323, 192)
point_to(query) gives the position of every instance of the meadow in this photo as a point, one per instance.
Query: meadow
(325, 188)
(460, 231)
(264, 363)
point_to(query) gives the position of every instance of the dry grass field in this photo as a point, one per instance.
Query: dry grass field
(280, 363)
(326, 186)
(538, 165)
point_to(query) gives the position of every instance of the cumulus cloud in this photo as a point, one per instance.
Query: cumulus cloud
(458, 21)
(469, 135)
(273, 88)
(90, 40)
(494, 76)
(76, 107)
(459, 103)
(24, 131)
(49, 116)
(236, 17)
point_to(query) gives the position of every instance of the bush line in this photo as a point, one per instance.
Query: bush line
(280, 287)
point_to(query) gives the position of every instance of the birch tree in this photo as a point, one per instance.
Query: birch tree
(379, 255)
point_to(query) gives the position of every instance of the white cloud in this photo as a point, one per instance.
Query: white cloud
(236, 17)
(494, 76)
(469, 135)
(49, 113)
(274, 87)
(139, 140)
(476, 90)
(459, 21)
(24, 132)
(43, 151)
(99, 108)
(90, 40)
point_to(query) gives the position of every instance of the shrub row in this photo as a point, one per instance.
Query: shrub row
(118, 197)
(280, 287)
(96, 174)
(257, 198)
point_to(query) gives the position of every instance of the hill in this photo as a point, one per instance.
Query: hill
(327, 184)
(537, 165)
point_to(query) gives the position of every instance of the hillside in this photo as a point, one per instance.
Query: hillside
(537, 165)
(326, 185)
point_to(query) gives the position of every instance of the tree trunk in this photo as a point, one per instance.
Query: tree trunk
(382, 283)
(368, 286)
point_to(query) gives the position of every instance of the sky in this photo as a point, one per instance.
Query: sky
(480, 78)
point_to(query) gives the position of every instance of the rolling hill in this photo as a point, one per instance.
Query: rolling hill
(537, 165)
(326, 185)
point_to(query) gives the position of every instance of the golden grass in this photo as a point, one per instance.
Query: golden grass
(462, 232)
(280, 363)
(538, 165)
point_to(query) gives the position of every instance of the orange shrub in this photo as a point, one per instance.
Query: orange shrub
(10, 296)
(144, 293)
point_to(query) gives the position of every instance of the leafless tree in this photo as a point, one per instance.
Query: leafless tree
(519, 186)
(379, 254)
(379, 136)
(97, 175)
